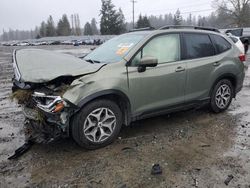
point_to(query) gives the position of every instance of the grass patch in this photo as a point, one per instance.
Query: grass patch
(22, 96)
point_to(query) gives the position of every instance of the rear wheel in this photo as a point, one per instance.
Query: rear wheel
(97, 124)
(222, 96)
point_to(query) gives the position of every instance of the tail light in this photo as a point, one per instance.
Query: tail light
(242, 57)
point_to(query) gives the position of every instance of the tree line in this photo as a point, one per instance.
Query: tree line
(66, 27)
(228, 14)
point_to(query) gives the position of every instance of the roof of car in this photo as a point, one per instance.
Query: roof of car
(153, 32)
(171, 28)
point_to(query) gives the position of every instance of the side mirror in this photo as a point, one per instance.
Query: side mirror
(147, 61)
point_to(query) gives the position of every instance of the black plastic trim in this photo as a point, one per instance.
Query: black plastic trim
(109, 92)
(171, 109)
(225, 76)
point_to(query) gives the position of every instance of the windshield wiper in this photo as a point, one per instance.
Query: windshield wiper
(92, 61)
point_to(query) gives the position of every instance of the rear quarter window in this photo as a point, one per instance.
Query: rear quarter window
(234, 39)
(221, 44)
(197, 46)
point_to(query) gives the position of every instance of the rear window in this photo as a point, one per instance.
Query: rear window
(221, 44)
(198, 46)
(234, 39)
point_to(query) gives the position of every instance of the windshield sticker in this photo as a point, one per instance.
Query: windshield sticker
(127, 45)
(122, 50)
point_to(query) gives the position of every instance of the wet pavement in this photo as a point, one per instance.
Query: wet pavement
(194, 148)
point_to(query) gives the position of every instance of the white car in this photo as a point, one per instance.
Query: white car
(238, 43)
(23, 44)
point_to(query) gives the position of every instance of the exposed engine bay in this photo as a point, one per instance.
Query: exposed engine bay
(47, 114)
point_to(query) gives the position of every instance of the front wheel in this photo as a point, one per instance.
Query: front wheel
(222, 96)
(97, 124)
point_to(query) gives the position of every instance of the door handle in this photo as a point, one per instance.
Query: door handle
(216, 64)
(179, 69)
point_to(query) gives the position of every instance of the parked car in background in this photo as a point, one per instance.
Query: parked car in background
(241, 47)
(76, 42)
(67, 42)
(243, 33)
(130, 77)
(88, 42)
(238, 43)
(23, 43)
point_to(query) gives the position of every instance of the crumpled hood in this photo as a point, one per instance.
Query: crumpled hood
(39, 66)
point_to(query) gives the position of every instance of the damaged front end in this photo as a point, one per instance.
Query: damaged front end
(40, 80)
(47, 113)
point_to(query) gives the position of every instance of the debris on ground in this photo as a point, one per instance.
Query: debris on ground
(126, 148)
(197, 169)
(243, 126)
(21, 150)
(229, 178)
(156, 169)
(195, 184)
(205, 145)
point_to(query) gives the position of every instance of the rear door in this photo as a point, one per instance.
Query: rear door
(199, 54)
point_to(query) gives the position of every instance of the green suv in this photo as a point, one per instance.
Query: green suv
(133, 76)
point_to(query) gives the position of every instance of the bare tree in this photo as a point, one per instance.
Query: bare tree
(238, 11)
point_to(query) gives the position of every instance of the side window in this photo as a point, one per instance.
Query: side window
(136, 59)
(198, 46)
(221, 44)
(165, 48)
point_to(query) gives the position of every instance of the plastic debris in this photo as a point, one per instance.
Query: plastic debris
(229, 178)
(156, 169)
(21, 150)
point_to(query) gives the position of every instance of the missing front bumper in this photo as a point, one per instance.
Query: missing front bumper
(41, 127)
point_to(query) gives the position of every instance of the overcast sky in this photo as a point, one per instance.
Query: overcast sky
(26, 14)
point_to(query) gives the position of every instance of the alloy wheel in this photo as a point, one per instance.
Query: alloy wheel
(223, 96)
(99, 125)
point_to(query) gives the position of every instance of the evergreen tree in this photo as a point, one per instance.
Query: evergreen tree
(189, 19)
(77, 25)
(112, 22)
(177, 18)
(143, 22)
(88, 29)
(63, 26)
(94, 27)
(120, 24)
(42, 31)
(50, 27)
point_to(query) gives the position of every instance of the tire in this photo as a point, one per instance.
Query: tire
(221, 96)
(90, 129)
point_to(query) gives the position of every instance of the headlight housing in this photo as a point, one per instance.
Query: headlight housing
(48, 103)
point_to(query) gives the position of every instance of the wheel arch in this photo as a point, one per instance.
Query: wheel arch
(115, 95)
(229, 76)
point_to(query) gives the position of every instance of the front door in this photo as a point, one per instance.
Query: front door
(161, 86)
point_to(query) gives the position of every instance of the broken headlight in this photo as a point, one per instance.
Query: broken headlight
(48, 103)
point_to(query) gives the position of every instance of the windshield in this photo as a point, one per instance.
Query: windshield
(115, 49)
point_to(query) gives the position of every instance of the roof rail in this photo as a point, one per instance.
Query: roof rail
(142, 29)
(189, 27)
